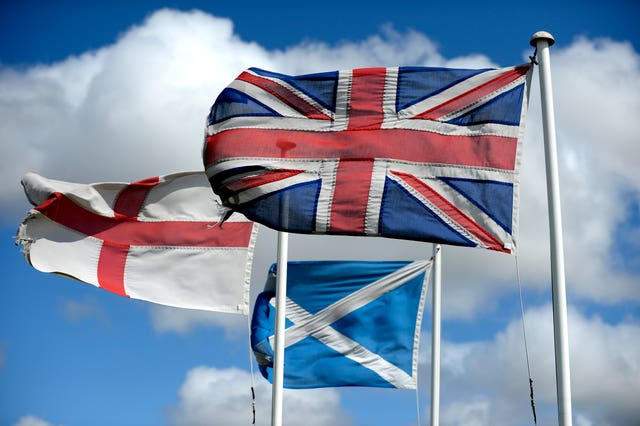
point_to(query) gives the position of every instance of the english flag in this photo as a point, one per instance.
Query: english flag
(429, 154)
(158, 240)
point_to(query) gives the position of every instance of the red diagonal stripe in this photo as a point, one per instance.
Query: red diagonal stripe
(351, 196)
(365, 104)
(473, 95)
(131, 198)
(285, 95)
(452, 212)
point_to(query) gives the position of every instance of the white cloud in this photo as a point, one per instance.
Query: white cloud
(600, 77)
(388, 48)
(597, 93)
(485, 383)
(131, 110)
(136, 108)
(201, 401)
(473, 413)
(30, 420)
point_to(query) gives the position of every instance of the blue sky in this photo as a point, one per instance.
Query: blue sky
(119, 92)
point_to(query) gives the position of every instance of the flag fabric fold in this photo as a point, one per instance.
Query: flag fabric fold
(348, 323)
(158, 239)
(428, 154)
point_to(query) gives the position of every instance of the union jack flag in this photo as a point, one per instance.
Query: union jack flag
(428, 154)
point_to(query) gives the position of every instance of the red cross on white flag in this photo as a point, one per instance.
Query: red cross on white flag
(157, 240)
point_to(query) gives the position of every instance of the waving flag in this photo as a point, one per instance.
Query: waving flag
(157, 240)
(348, 323)
(427, 154)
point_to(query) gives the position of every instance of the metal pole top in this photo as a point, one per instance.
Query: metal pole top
(541, 35)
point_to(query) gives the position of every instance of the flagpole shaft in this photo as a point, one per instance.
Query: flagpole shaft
(281, 303)
(435, 336)
(542, 41)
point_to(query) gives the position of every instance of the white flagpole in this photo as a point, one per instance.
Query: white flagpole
(542, 40)
(435, 337)
(281, 303)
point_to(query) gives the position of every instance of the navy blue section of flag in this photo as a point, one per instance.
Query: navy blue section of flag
(348, 323)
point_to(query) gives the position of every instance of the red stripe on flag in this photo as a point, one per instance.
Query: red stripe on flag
(351, 195)
(454, 213)
(473, 95)
(367, 92)
(285, 95)
(131, 198)
(497, 152)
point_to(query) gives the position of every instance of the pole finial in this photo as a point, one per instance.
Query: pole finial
(541, 35)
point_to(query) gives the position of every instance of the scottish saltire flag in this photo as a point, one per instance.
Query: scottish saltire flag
(429, 154)
(348, 323)
(157, 240)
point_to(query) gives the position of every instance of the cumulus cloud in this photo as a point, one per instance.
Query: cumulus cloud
(597, 92)
(136, 109)
(388, 48)
(131, 110)
(200, 401)
(485, 382)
